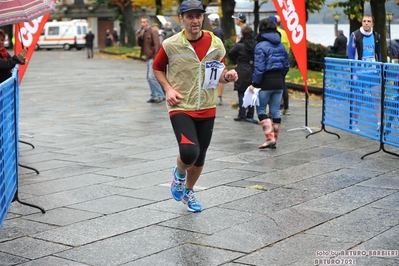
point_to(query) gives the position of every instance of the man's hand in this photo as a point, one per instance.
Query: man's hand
(173, 97)
(231, 75)
(139, 32)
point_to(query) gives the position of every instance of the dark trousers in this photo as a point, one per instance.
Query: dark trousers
(285, 96)
(243, 110)
(89, 51)
(193, 136)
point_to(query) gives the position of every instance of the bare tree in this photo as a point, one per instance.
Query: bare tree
(228, 25)
(379, 13)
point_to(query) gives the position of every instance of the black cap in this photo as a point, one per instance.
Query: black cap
(240, 16)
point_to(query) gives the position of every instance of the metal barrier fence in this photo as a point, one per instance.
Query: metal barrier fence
(391, 105)
(362, 98)
(8, 144)
(9, 107)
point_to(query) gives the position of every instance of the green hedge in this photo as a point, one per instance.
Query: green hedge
(316, 53)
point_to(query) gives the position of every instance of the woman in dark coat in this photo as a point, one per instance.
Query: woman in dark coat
(242, 54)
(8, 62)
(271, 65)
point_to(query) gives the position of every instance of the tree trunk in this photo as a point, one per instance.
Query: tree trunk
(158, 4)
(354, 25)
(128, 19)
(256, 16)
(122, 34)
(378, 11)
(228, 23)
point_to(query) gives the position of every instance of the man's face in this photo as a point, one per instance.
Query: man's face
(144, 23)
(237, 21)
(367, 23)
(192, 21)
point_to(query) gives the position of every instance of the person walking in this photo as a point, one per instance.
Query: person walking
(241, 21)
(242, 54)
(115, 36)
(340, 44)
(148, 40)
(89, 43)
(286, 42)
(155, 26)
(364, 44)
(214, 20)
(108, 39)
(270, 67)
(168, 30)
(192, 59)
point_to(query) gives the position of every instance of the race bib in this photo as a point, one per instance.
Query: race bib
(213, 70)
(368, 58)
(368, 68)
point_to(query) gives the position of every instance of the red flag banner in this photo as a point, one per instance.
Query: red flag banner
(293, 17)
(26, 35)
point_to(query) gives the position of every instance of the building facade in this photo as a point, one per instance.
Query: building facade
(100, 18)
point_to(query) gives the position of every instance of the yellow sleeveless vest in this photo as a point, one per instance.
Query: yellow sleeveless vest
(186, 73)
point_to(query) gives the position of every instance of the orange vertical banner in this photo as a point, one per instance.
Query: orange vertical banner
(26, 35)
(293, 17)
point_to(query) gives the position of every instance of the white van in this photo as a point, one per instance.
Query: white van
(63, 34)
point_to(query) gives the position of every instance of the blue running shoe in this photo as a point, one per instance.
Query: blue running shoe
(177, 186)
(192, 203)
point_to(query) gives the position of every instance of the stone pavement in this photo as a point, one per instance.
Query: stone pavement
(105, 158)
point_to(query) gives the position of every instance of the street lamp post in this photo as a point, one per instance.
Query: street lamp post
(389, 17)
(336, 16)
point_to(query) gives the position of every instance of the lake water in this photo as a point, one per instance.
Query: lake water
(324, 33)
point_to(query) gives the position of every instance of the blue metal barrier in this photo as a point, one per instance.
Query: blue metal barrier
(8, 144)
(352, 96)
(362, 98)
(9, 108)
(391, 105)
